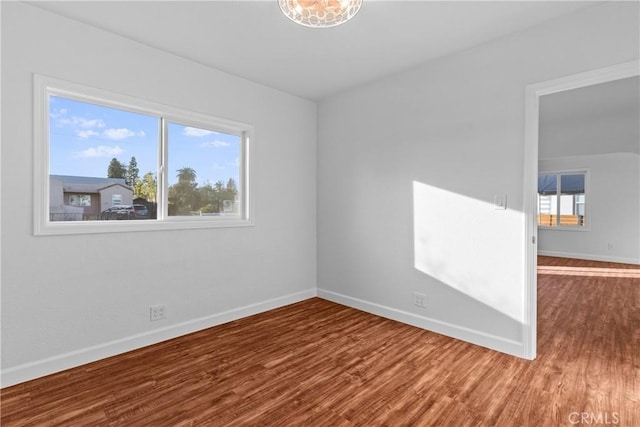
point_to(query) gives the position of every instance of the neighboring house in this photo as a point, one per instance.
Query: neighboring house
(82, 198)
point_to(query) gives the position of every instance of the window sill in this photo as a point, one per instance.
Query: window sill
(565, 228)
(133, 226)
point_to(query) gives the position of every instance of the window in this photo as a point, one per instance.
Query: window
(214, 195)
(80, 199)
(562, 199)
(96, 151)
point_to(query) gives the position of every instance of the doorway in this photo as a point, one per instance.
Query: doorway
(532, 122)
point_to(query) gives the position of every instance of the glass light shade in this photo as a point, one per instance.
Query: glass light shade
(320, 13)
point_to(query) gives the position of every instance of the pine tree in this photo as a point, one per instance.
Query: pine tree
(133, 172)
(116, 169)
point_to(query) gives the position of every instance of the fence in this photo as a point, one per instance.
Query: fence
(552, 220)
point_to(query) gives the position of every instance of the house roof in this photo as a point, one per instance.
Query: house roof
(87, 184)
(113, 185)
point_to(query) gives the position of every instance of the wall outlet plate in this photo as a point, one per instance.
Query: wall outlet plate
(158, 312)
(420, 299)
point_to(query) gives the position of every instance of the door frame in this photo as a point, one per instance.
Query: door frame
(532, 116)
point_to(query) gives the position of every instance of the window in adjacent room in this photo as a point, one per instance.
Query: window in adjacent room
(562, 199)
(104, 162)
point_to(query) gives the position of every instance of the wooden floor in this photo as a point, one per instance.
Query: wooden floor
(317, 363)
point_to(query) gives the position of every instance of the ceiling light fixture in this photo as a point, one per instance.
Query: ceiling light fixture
(320, 13)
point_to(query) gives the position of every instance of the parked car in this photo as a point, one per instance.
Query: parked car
(140, 212)
(118, 212)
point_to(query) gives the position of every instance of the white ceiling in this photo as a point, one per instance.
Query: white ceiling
(252, 39)
(615, 98)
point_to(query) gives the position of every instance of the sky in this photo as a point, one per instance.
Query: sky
(83, 138)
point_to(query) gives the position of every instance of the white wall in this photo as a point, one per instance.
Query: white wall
(616, 133)
(408, 168)
(613, 198)
(63, 303)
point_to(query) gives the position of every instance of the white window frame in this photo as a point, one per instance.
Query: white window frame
(587, 211)
(45, 86)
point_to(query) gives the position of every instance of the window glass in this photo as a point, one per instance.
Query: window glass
(572, 199)
(562, 199)
(203, 172)
(80, 199)
(100, 151)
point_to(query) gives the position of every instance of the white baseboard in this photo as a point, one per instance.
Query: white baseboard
(589, 257)
(483, 339)
(40, 368)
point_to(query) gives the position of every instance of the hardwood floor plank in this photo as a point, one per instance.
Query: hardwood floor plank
(317, 363)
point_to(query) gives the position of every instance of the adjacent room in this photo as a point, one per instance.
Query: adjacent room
(589, 138)
(288, 212)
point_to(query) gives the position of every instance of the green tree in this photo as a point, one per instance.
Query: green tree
(212, 197)
(147, 188)
(138, 190)
(133, 172)
(116, 169)
(183, 195)
(187, 175)
(209, 197)
(228, 196)
(231, 186)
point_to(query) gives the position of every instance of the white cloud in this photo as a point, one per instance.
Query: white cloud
(122, 133)
(215, 144)
(82, 122)
(99, 151)
(55, 114)
(227, 165)
(89, 123)
(86, 133)
(189, 131)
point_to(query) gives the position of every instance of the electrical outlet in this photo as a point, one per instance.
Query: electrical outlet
(158, 312)
(420, 299)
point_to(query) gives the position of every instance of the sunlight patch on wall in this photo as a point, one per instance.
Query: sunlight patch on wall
(461, 241)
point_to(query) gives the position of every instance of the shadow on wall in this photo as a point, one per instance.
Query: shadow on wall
(458, 240)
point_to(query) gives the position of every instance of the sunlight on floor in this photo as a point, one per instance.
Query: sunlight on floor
(630, 273)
